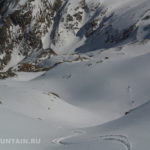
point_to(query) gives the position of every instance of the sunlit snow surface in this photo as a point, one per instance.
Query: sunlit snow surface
(75, 105)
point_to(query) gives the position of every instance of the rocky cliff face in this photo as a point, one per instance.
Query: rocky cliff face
(34, 31)
(23, 24)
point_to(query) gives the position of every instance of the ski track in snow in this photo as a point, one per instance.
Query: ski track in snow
(118, 138)
(59, 141)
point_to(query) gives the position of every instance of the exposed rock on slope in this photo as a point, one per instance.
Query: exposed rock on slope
(23, 24)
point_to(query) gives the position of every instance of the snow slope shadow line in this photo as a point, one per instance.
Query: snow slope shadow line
(61, 140)
(118, 138)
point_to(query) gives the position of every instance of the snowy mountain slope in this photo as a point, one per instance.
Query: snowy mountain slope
(120, 25)
(42, 105)
(82, 74)
(129, 132)
(115, 82)
(119, 76)
(69, 26)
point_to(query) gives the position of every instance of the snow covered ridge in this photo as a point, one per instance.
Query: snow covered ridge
(68, 26)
